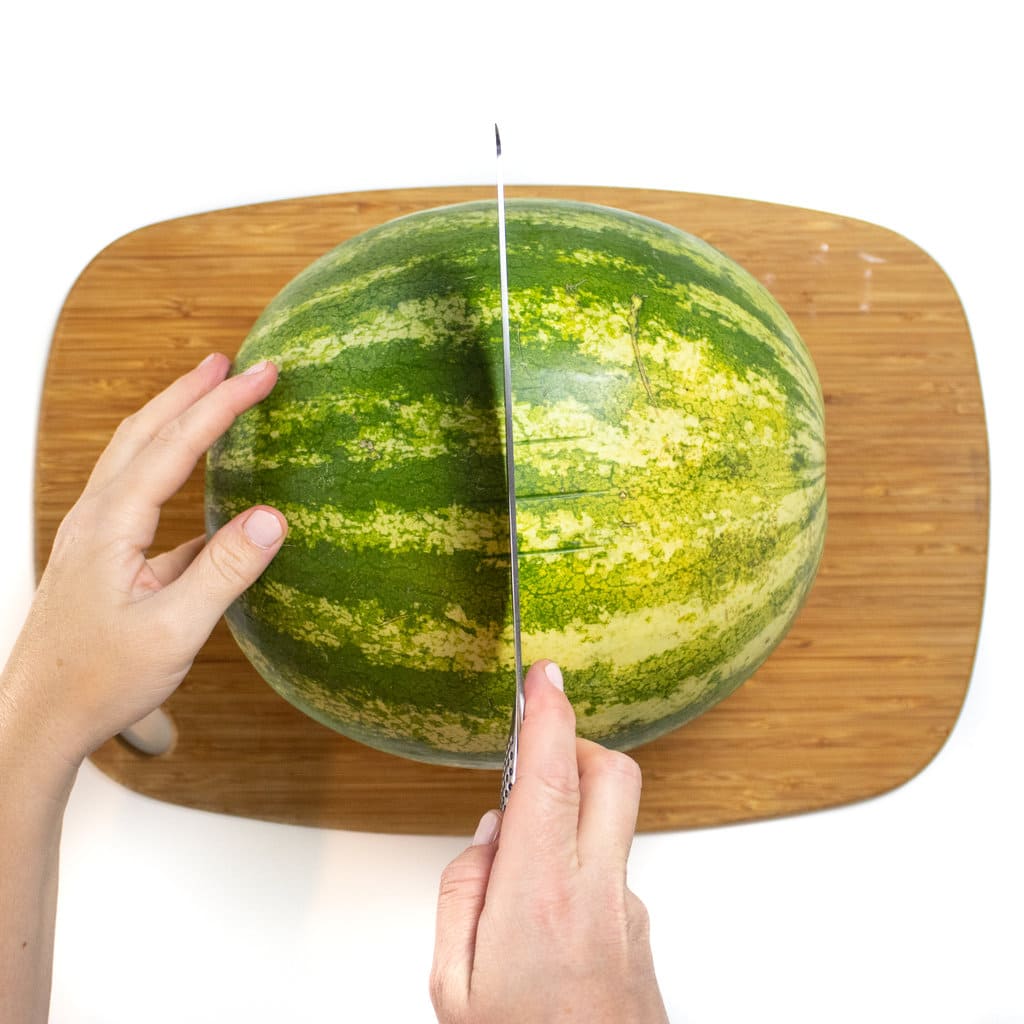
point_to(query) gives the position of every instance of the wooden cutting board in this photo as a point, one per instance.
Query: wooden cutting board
(857, 699)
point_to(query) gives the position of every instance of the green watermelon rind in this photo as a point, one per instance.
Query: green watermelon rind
(669, 436)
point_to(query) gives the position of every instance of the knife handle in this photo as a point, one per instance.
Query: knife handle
(508, 776)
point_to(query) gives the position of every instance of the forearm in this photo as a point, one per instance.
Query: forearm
(35, 783)
(110, 634)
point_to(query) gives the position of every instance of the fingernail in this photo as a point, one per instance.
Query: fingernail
(256, 368)
(487, 831)
(263, 528)
(209, 359)
(554, 674)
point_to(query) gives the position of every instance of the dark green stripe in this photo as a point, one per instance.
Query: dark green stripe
(348, 670)
(439, 256)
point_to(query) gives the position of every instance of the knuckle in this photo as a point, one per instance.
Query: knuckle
(453, 877)
(440, 994)
(450, 887)
(170, 434)
(128, 427)
(74, 529)
(638, 917)
(69, 531)
(620, 916)
(462, 877)
(437, 989)
(175, 436)
(228, 562)
(551, 907)
(560, 785)
(618, 765)
(554, 788)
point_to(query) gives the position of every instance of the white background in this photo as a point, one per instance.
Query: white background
(902, 909)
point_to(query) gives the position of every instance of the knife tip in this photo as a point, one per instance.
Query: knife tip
(497, 138)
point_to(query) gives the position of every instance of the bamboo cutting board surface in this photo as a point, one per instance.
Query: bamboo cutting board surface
(857, 699)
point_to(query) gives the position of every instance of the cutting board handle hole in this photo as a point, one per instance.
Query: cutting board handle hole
(153, 735)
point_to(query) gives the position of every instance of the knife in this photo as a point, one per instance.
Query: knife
(512, 750)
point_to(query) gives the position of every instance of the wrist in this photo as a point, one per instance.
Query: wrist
(32, 757)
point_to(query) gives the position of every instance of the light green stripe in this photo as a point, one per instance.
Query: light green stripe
(542, 316)
(386, 528)
(550, 438)
(455, 643)
(451, 644)
(435, 321)
(548, 527)
(277, 320)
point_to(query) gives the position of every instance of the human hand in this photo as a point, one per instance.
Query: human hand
(539, 924)
(111, 632)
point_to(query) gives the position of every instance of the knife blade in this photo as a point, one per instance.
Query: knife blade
(512, 749)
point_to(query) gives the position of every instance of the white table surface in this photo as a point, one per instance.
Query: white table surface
(905, 908)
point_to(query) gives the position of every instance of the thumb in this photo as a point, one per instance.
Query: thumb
(460, 902)
(232, 560)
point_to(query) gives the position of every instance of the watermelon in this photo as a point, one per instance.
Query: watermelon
(669, 450)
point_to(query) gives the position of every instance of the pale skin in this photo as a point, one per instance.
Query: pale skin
(539, 919)
(535, 921)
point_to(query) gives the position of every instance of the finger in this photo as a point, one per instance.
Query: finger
(460, 901)
(167, 567)
(232, 560)
(164, 465)
(137, 430)
(543, 808)
(610, 784)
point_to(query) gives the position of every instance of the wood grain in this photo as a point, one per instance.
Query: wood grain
(858, 698)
